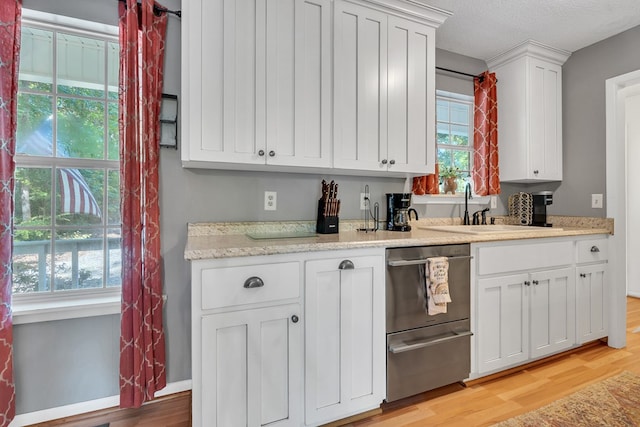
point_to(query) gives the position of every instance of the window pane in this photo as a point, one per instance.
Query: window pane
(443, 133)
(114, 258)
(79, 259)
(81, 65)
(113, 62)
(445, 159)
(31, 261)
(461, 160)
(34, 134)
(36, 60)
(80, 128)
(113, 143)
(460, 113)
(442, 110)
(459, 135)
(79, 196)
(32, 204)
(113, 197)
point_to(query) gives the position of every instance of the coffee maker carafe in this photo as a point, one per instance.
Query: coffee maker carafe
(399, 212)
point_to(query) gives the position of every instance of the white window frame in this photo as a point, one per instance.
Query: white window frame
(39, 307)
(459, 197)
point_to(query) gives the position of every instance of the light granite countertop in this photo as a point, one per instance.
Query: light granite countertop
(227, 239)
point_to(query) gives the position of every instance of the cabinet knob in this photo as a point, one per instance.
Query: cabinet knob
(595, 249)
(272, 153)
(347, 264)
(535, 172)
(535, 282)
(261, 153)
(253, 282)
(392, 162)
(527, 283)
(384, 161)
(583, 275)
(295, 318)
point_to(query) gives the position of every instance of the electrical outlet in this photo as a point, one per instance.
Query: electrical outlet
(270, 200)
(494, 202)
(596, 201)
(363, 202)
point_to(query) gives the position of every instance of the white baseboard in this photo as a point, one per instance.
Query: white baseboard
(633, 294)
(88, 406)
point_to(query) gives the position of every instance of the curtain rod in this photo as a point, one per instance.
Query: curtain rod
(159, 9)
(479, 76)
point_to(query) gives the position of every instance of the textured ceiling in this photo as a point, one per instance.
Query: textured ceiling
(485, 28)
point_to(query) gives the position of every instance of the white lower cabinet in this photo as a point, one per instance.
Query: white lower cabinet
(251, 367)
(592, 290)
(525, 302)
(344, 337)
(247, 342)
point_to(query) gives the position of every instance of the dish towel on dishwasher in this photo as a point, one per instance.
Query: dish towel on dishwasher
(437, 285)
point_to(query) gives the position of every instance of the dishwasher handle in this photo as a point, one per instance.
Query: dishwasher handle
(401, 348)
(403, 262)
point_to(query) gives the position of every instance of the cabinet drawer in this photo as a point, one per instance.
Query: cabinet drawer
(225, 286)
(592, 250)
(502, 259)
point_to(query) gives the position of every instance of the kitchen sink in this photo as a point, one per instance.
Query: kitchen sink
(487, 229)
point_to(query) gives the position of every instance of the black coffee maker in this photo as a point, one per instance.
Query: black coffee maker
(540, 202)
(398, 211)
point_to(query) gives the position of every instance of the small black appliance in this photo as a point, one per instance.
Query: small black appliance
(398, 211)
(540, 202)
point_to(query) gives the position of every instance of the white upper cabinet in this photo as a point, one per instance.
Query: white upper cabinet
(530, 112)
(384, 82)
(309, 85)
(256, 81)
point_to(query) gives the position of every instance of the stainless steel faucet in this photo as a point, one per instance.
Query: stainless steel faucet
(467, 196)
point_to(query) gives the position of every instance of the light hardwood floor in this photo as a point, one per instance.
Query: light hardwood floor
(496, 400)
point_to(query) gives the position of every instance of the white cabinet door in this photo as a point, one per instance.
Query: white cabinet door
(298, 81)
(545, 122)
(251, 368)
(360, 88)
(503, 322)
(592, 302)
(411, 96)
(553, 313)
(256, 83)
(344, 338)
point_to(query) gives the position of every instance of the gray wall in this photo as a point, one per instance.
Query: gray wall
(78, 359)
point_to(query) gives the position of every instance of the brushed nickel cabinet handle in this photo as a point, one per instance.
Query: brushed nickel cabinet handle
(384, 161)
(595, 249)
(392, 162)
(272, 153)
(535, 282)
(527, 283)
(261, 153)
(347, 264)
(253, 282)
(583, 275)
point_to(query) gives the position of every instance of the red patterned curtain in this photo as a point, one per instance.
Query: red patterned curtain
(486, 177)
(10, 11)
(427, 184)
(142, 344)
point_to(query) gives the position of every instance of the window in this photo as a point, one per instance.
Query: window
(454, 117)
(67, 195)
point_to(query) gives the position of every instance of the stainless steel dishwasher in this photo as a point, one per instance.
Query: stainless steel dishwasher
(423, 351)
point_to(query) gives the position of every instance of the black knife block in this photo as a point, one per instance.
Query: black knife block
(325, 224)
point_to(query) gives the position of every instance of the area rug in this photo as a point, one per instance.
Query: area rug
(611, 402)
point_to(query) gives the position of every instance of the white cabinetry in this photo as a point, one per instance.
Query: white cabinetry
(256, 81)
(384, 115)
(525, 302)
(247, 338)
(530, 112)
(344, 336)
(592, 289)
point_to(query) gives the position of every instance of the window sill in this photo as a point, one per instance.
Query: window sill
(441, 199)
(45, 308)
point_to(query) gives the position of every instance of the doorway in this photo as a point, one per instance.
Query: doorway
(619, 93)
